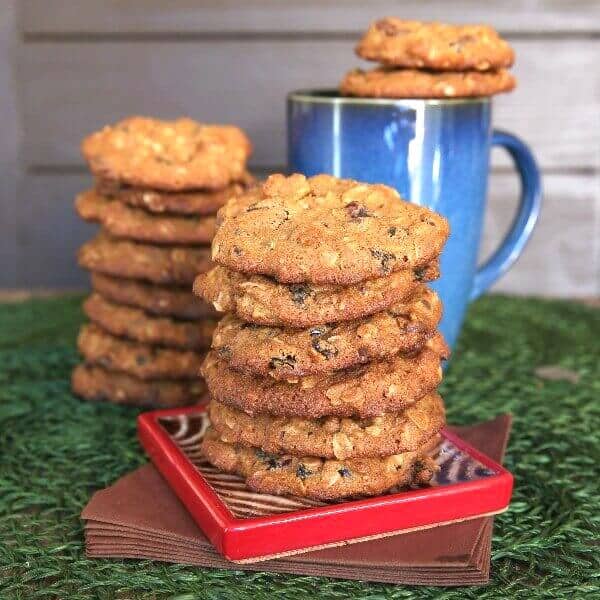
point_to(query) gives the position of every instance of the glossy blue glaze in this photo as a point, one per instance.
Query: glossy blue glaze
(435, 153)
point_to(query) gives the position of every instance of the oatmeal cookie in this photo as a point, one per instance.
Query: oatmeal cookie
(370, 390)
(287, 354)
(159, 264)
(332, 437)
(123, 221)
(139, 360)
(190, 203)
(166, 301)
(96, 383)
(411, 83)
(135, 324)
(325, 230)
(168, 155)
(436, 46)
(262, 300)
(318, 478)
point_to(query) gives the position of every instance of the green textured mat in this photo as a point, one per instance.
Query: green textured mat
(55, 451)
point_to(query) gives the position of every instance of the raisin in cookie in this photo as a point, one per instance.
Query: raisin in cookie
(190, 203)
(287, 354)
(325, 230)
(262, 300)
(332, 437)
(159, 264)
(370, 390)
(436, 46)
(168, 155)
(318, 478)
(139, 360)
(410, 83)
(123, 221)
(96, 383)
(135, 324)
(166, 301)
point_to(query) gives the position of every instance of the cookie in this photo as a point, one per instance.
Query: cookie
(332, 437)
(288, 354)
(168, 155)
(163, 265)
(436, 46)
(167, 301)
(325, 230)
(191, 203)
(318, 478)
(96, 383)
(261, 300)
(140, 360)
(369, 390)
(410, 83)
(123, 221)
(135, 324)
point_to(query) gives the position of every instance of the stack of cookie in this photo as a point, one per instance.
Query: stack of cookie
(323, 372)
(159, 185)
(431, 60)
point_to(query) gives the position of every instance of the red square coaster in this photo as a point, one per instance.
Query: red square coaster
(246, 526)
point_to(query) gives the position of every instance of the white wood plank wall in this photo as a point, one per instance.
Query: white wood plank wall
(70, 66)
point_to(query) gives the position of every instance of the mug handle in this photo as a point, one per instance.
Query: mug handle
(527, 214)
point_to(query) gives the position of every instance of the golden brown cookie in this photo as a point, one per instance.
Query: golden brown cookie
(166, 301)
(325, 230)
(195, 202)
(410, 83)
(177, 265)
(370, 390)
(137, 325)
(261, 300)
(139, 360)
(96, 383)
(168, 155)
(123, 221)
(288, 354)
(318, 478)
(332, 437)
(437, 46)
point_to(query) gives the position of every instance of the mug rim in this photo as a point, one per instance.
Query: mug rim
(332, 96)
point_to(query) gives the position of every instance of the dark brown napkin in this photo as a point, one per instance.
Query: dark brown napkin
(140, 517)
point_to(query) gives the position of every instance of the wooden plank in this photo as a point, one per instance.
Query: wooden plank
(242, 82)
(9, 146)
(561, 125)
(50, 232)
(70, 89)
(326, 16)
(559, 261)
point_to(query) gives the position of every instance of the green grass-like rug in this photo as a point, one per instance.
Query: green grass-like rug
(55, 451)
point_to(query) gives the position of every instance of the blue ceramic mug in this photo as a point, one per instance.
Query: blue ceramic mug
(436, 153)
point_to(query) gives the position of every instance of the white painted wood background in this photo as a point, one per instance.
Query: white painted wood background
(69, 66)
